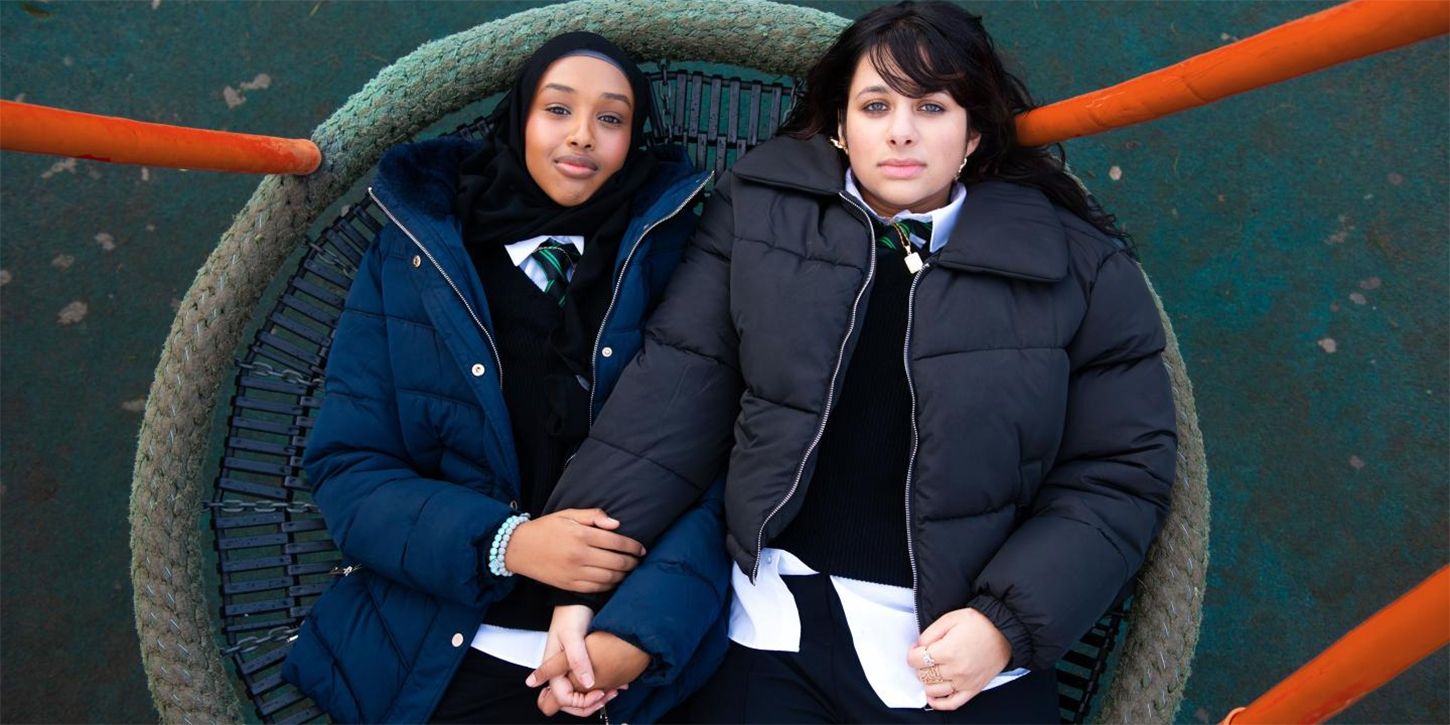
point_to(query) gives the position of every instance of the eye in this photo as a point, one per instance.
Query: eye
(556, 109)
(930, 107)
(875, 107)
(612, 119)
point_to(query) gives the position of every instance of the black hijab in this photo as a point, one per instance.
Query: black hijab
(498, 201)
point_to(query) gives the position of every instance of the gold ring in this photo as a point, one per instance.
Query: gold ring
(930, 675)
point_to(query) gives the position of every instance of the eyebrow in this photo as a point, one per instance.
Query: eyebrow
(618, 97)
(883, 89)
(612, 96)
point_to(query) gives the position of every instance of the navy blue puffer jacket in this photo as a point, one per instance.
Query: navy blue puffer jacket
(414, 468)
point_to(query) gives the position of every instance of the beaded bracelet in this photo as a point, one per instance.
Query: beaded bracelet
(501, 544)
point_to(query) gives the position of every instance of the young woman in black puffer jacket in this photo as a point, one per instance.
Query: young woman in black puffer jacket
(934, 368)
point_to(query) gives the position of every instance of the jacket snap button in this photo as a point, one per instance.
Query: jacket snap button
(607, 352)
(477, 370)
(417, 261)
(457, 639)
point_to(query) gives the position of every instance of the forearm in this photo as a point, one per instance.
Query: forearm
(670, 603)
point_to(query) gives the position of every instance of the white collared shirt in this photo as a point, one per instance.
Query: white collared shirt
(519, 252)
(943, 220)
(881, 617)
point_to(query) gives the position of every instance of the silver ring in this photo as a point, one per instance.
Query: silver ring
(926, 657)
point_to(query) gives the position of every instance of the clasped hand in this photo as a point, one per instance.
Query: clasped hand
(957, 656)
(584, 672)
(575, 550)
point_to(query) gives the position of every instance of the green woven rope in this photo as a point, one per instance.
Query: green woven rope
(184, 669)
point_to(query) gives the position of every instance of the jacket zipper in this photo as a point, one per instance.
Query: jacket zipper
(915, 436)
(488, 338)
(618, 283)
(830, 392)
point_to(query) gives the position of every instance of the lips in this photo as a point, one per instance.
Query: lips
(901, 168)
(576, 167)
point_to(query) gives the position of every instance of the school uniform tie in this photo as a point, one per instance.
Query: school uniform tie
(896, 236)
(557, 260)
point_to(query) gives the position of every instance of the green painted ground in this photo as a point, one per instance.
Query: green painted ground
(1298, 235)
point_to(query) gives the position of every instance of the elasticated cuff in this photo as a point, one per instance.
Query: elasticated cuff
(1009, 625)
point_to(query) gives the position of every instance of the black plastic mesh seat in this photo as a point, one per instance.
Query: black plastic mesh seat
(274, 554)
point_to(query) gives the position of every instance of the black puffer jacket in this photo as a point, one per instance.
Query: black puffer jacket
(1044, 444)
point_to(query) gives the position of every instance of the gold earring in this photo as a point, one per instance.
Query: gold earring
(837, 143)
(964, 164)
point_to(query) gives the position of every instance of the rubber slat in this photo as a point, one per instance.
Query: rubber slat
(232, 522)
(256, 489)
(270, 605)
(320, 567)
(309, 547)
(257, 585)
(271, 385)
(252, 624)
(328, 318)
(307, 524)
(310, 357)
(242, 464)
(279, 702)
(263, 661)
(307, 590)
(302, 716)
(263, 562)
(261, 426)
(255, 445)
(250, 542)
(317, 292)
(296, 327)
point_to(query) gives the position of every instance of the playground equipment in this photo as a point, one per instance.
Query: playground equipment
(1396, 637)
(174, 619)
(1315, 42)
(40, 129)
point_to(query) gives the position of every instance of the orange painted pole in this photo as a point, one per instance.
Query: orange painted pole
(1373, 653)
(45, 130)
(1315, 42)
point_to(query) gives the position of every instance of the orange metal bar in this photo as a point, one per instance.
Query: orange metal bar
(1326, 38)
(44, 130)
(1339, 34)
(1373, 653)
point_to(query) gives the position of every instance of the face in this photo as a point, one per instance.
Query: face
(904, 151)
(578, 129)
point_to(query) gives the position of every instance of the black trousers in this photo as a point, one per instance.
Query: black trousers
(487, 689)
(824, 682)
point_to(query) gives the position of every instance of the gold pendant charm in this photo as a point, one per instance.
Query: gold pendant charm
(913, 262)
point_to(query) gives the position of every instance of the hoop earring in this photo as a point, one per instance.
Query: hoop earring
(837, 143)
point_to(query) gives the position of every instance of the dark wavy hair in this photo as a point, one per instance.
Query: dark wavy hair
(922, 48)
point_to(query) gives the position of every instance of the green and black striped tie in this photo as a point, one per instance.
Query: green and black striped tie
(557, 261)
(896, 235)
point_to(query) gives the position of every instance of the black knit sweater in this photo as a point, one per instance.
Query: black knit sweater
(852, 522)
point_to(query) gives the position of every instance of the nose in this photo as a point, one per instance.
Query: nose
(903, 130)
(581, 136)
